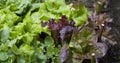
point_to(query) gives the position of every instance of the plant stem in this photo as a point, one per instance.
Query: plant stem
(93, 60)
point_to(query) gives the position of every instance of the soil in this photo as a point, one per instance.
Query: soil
(113, 54)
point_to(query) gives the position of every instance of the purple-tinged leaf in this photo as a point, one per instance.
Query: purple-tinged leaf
(66, 33)
(102, 47)
(65, 54)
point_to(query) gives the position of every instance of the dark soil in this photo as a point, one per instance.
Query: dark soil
(113, 54)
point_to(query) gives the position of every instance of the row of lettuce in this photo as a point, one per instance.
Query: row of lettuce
(20, 27)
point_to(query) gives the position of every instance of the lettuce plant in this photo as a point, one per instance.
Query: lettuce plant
(42, 32)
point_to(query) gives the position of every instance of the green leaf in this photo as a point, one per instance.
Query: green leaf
(27, 38)
(19, 28)
(21, 60)
(4, 46)
(4, 34)
(12, 57)
(43, 57)
(3, 56)
(80, 15)
(26, 49)
(81, 20)
(50, 51)
(49, 41)
(35, 16)
(35, 6)
(12, 42)
(23, 6)
(15, 50)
